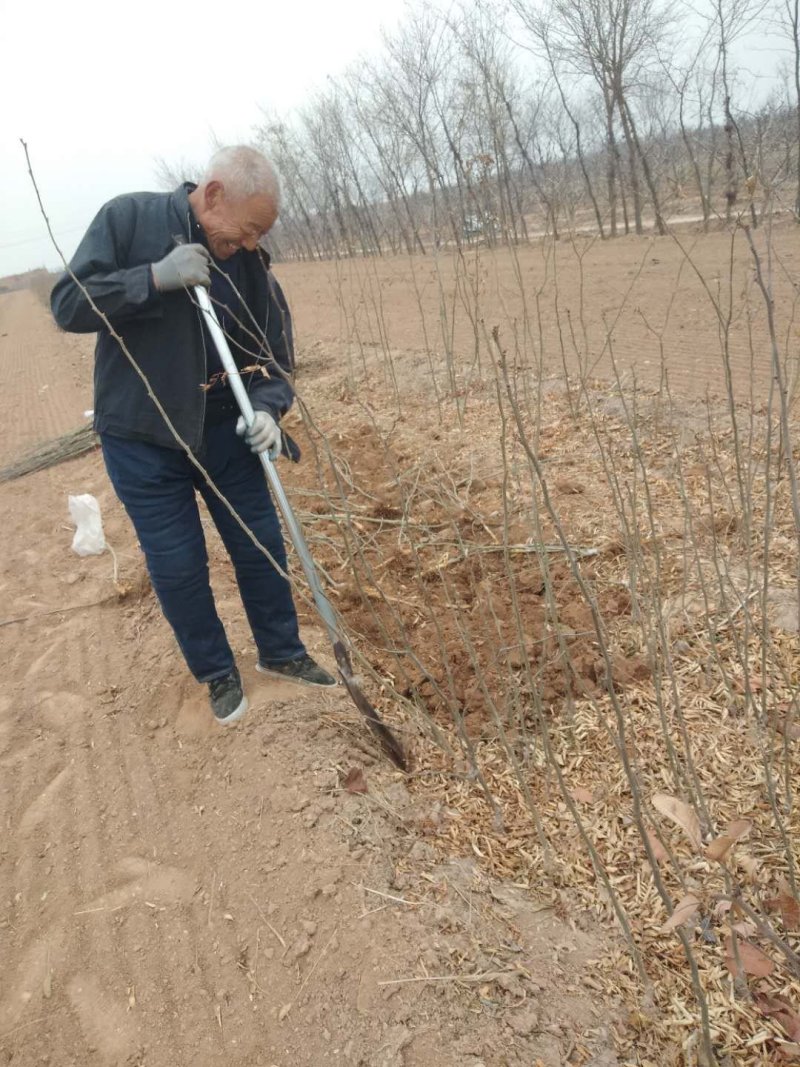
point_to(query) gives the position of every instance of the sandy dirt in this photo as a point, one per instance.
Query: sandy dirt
(635, 307)
(175, 894)
(172, 893)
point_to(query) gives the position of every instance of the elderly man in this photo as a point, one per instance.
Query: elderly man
(136, 265)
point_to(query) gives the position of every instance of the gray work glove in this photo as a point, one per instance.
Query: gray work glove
(183, 267)
(263, 434)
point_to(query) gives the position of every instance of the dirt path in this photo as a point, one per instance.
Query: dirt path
(47, 375)
(174, 894)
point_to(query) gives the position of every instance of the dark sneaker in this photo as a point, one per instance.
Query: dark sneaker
(227, 698)
(303, 670)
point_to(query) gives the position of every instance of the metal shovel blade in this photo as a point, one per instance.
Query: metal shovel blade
(389, 742)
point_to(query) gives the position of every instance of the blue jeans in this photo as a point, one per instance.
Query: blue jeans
(157, 487)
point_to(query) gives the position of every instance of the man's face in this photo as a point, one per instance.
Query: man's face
(230, 224)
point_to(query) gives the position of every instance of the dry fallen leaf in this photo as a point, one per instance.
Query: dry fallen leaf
(354, 781)
(744, 928)
(787, 904)
(779, 1009)
(682, 814)
(567, 485)
(685, 910)
(749, 864)
(721, 846)
(738, 829)
(658, 850)
(753, 960)
(721, 908)
(786, 724)
(790, 908)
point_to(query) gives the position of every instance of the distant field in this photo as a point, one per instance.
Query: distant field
(651, 296)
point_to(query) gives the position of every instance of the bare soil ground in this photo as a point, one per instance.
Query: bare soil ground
(174, 894)
(171, 893)
(633, 308)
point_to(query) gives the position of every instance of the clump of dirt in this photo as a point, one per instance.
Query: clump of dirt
(452, 602)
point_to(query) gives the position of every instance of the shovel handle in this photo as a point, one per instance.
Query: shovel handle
(292, 525)
(374, 721)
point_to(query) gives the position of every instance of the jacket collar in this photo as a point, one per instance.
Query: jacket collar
(181, 210)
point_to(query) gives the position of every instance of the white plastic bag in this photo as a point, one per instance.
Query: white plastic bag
(89, 539)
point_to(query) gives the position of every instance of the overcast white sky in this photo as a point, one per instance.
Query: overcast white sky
(100, 89)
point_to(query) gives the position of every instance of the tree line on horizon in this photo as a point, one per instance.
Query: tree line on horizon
(498, 126)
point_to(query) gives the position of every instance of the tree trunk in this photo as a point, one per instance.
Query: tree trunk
(794, 23)
(629, 143)
(611, 172)
(648, 174)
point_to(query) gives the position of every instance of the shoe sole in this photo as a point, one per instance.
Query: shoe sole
(296, 681)
(235, 715)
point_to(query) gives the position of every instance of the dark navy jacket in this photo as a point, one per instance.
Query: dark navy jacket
(163, 331)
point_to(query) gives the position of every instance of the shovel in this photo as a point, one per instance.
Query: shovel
(387, 739)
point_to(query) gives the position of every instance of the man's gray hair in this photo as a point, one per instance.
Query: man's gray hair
(244, 172)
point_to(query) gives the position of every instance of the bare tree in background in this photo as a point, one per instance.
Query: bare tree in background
(539, 30)
(473, 122)
(729, 20)
(169, 175)
(416, 62)
(489, 78)
(789, 20)
(299, 210)
(694, 85)
(611, 41)
(387, 154)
